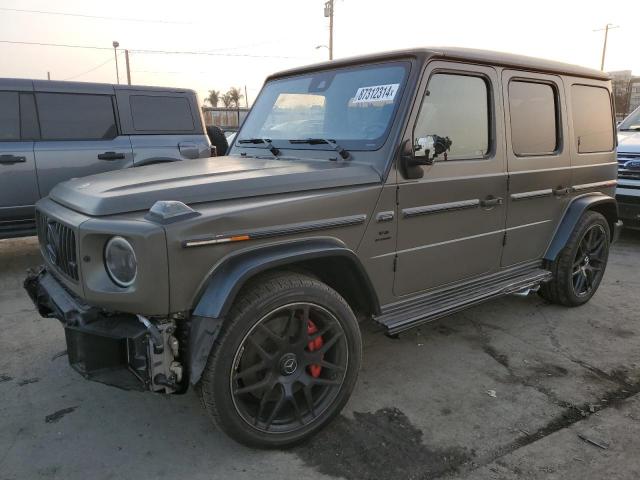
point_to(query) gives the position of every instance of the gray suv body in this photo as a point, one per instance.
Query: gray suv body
(398, 188)
(51, 131)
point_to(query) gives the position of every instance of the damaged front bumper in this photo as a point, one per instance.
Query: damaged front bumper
(122, 350)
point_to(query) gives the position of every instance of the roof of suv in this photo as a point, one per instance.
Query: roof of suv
(79, 87)
(510, 60)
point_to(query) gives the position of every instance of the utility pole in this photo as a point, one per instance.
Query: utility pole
(606, 29)
(328, 12)
(115, 54)
(48, 75)
(246, 97)
(126, 57)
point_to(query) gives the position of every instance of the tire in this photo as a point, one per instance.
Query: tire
(218, 139)
(263, 361)
(580, 265)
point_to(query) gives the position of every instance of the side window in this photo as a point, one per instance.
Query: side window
(70, 116)
(162, 114)
(456, 106)
(9, 117)
(28, 117)
(533, 108)
(592, 119)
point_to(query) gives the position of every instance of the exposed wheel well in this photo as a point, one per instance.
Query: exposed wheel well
(340, 274)
(609, 211)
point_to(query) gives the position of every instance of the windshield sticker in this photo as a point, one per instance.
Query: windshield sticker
(376, 93)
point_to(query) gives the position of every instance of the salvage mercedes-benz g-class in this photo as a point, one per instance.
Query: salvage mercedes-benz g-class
(398, 187)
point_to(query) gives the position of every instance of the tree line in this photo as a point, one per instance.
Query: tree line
(229, 99)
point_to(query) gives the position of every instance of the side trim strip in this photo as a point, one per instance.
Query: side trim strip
(547, 192)
(587, 186)
(276, 231)
(440, 207)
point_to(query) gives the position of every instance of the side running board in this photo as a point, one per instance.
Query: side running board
(405, 314)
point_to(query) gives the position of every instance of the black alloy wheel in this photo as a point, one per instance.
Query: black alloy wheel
(289, 368)
(589, 261)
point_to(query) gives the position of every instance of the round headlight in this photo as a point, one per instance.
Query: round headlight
(120, 261)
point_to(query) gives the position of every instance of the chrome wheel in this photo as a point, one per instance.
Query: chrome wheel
(289, 368)
(589, 261)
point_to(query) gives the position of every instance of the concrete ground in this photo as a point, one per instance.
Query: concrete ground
(512, 389)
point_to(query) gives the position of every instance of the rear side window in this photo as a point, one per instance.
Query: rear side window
(69, 116)
(9, 116)
(162, 114)
(533, 108)
(592, 119)
(456, 106)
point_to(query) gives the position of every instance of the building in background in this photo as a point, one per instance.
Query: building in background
(626, 92)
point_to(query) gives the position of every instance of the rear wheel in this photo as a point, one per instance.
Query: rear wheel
(580, 266)
(285, 362)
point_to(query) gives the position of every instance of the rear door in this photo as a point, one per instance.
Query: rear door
(162, 125)
(79, 137)
(451, 223)
(18, 185)
(538, 160)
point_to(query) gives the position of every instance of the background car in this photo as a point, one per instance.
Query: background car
(52, 131)
(628, 191)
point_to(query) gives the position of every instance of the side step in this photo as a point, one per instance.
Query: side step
(405, 314)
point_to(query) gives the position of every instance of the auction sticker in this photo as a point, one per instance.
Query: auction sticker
(376, 93)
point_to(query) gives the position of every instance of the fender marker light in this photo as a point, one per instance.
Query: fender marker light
(215, 241)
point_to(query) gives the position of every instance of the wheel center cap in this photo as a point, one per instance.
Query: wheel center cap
(586, 260)
(288, 364)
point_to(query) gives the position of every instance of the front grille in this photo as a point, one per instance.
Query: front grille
(58, 245)
(628, 173)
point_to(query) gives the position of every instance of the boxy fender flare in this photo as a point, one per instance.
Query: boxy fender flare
(231, 273)
(594, 201)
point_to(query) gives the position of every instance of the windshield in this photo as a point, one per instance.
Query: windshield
(353, 107)
(632, 122)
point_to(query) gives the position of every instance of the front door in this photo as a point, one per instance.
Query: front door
(451, 221)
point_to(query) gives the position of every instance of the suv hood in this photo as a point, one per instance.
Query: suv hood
(204, 180)
(629, 142)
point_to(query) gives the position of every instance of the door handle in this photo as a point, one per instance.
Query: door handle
(561, 191)
(491, 202)
(10, 159)
(111, 156)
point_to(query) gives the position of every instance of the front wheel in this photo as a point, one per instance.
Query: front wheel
(285, 362)
(580, 266)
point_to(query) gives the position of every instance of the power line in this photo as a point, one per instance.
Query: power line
(98, 17)
(42, 44)
(144, 51)
(109, 60)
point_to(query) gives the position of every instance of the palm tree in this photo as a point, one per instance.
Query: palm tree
(226, 100)
(213, 98)
(235, 94)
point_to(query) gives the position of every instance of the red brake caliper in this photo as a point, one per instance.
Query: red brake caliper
(315, 344)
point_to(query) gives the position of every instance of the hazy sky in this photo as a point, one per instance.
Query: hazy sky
(252, 33)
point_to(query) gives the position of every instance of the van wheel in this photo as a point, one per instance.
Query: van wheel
(580, 266)
(285, 362)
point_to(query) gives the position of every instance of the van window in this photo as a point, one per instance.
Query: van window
(70, 116)
(534, 118)
(456, 106)
(9, 116)
(162, 114)
(592, 119)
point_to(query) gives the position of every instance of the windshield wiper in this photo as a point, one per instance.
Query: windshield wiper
(323, 141)
(634, 128)
(267, 144)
